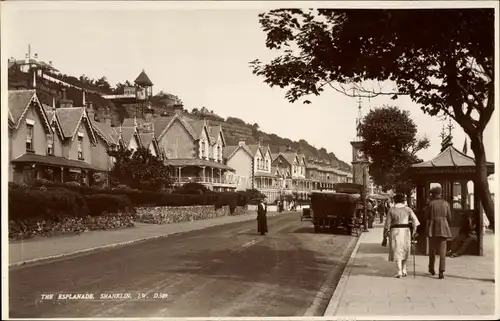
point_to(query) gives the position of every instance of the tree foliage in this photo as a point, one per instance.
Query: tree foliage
(445, 65)
(140, 169)
(389, 140)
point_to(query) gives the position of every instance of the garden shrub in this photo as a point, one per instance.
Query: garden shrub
(192, 188)
(100, 203)
(26, 203)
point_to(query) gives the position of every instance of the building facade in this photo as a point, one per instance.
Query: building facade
(49, 142)
(194, 149)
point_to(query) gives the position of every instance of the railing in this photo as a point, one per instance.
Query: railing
(206, 180)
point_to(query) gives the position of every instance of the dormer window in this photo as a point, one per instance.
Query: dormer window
(80, 146)
(50, 144)
(30, 126)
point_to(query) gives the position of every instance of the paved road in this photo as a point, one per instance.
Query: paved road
(226, 270)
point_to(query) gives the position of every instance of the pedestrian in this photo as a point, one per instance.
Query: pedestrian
(399, 224)
(381, 211)
(466, 235)
(438, 215)
(261, 217)
(369, 213)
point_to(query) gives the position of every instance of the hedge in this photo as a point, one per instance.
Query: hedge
(26, 203)
(100, 203)
(148, 198)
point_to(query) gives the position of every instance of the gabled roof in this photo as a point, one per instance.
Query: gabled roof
(450, 157)
(106, 132)
(143, 79)
(198, 126)
(253, 149)
(289, 157)
(127, 133)
(161, 126)
(274, 156)
(18, 104)
(69, 118)
(130, 122)
(229, 151)
(266, 149)
(146, 139)
(217, 131)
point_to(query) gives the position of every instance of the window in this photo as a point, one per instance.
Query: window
(80, 147)
(202, 152)
(50, 144)
(219, 152)
(29, 137)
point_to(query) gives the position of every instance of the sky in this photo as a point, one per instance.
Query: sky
(202, 56)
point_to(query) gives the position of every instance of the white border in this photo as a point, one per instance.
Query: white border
(223, 5)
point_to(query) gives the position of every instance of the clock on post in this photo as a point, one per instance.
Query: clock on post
(359, 163)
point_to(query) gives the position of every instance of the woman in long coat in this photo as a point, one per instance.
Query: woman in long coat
(400, 222)
(261, 218)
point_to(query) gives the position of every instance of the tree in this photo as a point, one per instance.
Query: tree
(140, 169)
(445, 65)
(389, 140)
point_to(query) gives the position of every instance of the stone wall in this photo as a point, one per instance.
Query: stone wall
(177, 214)
(21, 230)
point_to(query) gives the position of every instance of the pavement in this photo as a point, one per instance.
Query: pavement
(368, 287)
(226, 270)
(35, 250)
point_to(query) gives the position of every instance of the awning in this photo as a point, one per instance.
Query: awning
(264, 174)
(178, 162)
(29, 158)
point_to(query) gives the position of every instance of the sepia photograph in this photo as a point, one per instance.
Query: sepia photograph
(330, 160)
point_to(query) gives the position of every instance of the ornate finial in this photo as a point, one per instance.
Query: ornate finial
(443, 132)
(450, 127)
(358, 120)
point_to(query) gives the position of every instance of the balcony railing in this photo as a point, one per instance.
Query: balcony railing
(207, 180)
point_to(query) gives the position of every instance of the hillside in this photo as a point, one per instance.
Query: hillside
(235, 129)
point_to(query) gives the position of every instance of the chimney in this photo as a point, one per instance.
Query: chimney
(90, 110)
(84, 103)
(54, 102)
(148, 117)
(242, 143)
(178, 108)
(34, 78)
(107, 120)
(65, 103)
(288, 148)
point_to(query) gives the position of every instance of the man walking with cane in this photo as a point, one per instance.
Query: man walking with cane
(438, 230)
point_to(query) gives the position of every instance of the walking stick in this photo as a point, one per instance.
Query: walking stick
(413, 245)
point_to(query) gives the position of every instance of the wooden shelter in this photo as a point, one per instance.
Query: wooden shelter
(452, 169)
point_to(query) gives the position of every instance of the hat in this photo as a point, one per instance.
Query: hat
(436, 190)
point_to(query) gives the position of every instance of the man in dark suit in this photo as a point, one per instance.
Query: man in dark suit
(438, 230)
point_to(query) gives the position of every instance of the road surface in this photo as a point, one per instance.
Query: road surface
(227, 270)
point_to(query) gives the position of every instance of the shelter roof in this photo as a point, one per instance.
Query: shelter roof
(450, 160)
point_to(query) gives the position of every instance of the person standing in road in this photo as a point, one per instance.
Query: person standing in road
(399, 223)
(261, 217)
(438, 214)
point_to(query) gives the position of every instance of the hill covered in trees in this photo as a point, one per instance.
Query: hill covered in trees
(235, 129)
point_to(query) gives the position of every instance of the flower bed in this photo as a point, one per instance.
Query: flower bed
(177, 214)
(25, 229)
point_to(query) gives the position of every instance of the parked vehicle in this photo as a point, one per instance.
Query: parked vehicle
(338, 210)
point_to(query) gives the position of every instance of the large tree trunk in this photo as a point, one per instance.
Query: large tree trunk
(482, 179)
